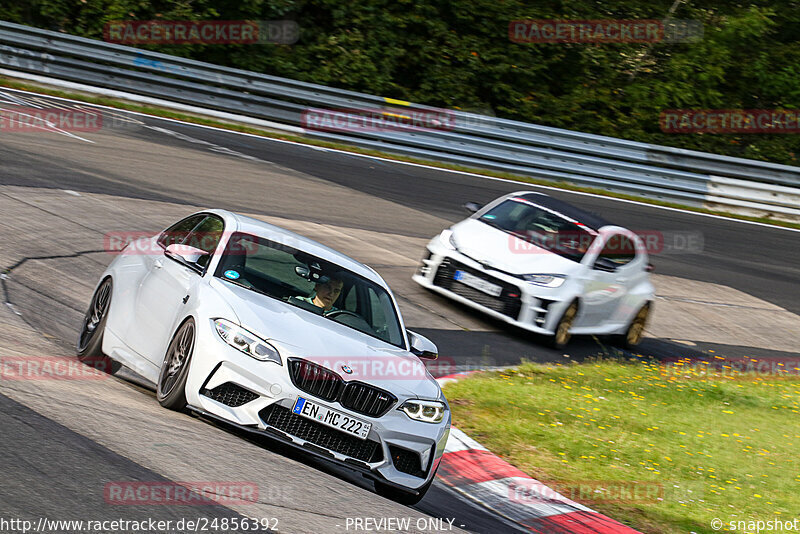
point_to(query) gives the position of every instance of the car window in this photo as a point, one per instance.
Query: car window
(285, 273)
(206, 236)
(176, 233)
(349, 298)
(377, 305)
(540, 227)
(255, 261)
(619, 249)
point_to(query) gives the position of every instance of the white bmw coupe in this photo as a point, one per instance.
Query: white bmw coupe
(245, 322)
(546, 266)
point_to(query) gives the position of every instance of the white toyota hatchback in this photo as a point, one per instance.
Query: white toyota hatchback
(546, 266)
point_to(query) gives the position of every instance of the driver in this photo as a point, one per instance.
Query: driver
(325, 294)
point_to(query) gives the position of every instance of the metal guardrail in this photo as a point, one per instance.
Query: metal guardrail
(670, 174)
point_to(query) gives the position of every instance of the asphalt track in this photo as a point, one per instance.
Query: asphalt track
(296, 182)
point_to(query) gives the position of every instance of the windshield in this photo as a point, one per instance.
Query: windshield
(541, 227)
(311, 283)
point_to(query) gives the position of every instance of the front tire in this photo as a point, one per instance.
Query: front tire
(635, 332)
(171, 387)
(90, 340)
(561, 336)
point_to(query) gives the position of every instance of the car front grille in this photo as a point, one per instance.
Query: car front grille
(423, 267)
(230, 394)
(540, 318)
(508, 303)
(328, 385)
(406, 461)
(318, 434)
(315, 379)
(366, 399)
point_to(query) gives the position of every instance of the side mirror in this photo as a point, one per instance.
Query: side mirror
(473, 207)
(605, 264)
(186, 253)
(422, 346)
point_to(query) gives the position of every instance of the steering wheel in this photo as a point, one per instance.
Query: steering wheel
(363, 325)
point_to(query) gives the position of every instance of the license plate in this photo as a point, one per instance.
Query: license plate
(331, 418)
(478, 283)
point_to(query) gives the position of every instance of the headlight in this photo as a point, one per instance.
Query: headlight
(425, 411)
(247, 342)
(547, 280)
(448, 239)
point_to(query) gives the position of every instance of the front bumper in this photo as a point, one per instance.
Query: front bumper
(524, 305)
(228, 385)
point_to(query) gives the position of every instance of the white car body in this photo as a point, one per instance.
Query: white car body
(607, 301)
(154, 293)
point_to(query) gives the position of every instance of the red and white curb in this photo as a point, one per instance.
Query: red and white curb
(473, 471)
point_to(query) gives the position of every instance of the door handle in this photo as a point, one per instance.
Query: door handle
(158, 264)
(622, 279)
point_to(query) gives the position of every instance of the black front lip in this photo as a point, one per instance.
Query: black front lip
(310, 448)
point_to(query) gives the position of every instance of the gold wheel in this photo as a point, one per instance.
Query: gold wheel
(636, 330)
(562, 335)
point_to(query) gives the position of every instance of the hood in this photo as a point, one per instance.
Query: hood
(503, 251)
(299, 333)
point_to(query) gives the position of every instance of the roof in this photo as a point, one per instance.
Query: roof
(272, 232)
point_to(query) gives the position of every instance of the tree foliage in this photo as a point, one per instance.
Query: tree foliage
(457, 54)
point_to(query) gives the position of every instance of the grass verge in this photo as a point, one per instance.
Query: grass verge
(715, 443)
(195, 119)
